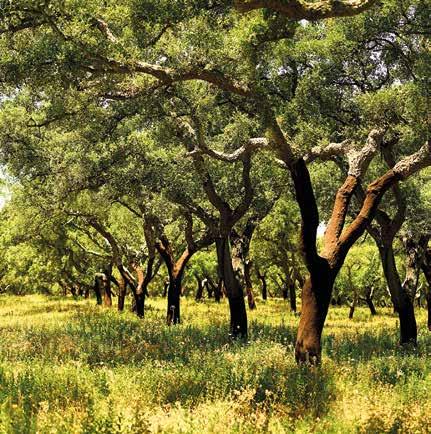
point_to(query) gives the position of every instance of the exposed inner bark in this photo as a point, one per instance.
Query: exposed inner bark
(337, 241)
(316, 295)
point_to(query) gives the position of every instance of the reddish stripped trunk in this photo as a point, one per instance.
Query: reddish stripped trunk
(316, 295)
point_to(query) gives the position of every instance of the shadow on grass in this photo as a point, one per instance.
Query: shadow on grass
(363, 346)
(98, 336)
(32, 310)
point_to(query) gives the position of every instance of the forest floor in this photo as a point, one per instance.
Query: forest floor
(70, 367)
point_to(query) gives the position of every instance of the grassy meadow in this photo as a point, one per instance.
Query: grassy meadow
(68, 366)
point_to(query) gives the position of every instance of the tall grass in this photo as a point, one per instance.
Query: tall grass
(70, 367)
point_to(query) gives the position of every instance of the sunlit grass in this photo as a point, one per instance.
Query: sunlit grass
(69, 366)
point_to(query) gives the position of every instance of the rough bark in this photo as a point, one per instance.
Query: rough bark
(338, 240)
(165, 288)
(316, 295)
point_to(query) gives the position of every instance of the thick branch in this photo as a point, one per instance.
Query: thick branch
(238, 154)
(308, 208)
(242, 208)
(375, 191)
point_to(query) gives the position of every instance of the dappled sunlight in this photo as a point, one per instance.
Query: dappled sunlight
(96, 367)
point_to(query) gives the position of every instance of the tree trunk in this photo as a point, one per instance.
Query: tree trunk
(234, 291)
(209, 286)
(238, 317)
(403, 304)
(73, 291)
(264, 289)
(369, 301)
(107, 293)
(353, 306)
(141, 291)
(174, 294)
(262, 278)
(98, 286)
(122, 287)
(285, 290)
(249, 285)
(292, 296)
(218, 292)
(316, 295)
(165, 288)
(200, 290)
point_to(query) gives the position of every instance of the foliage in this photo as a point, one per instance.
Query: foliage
(70, 367)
